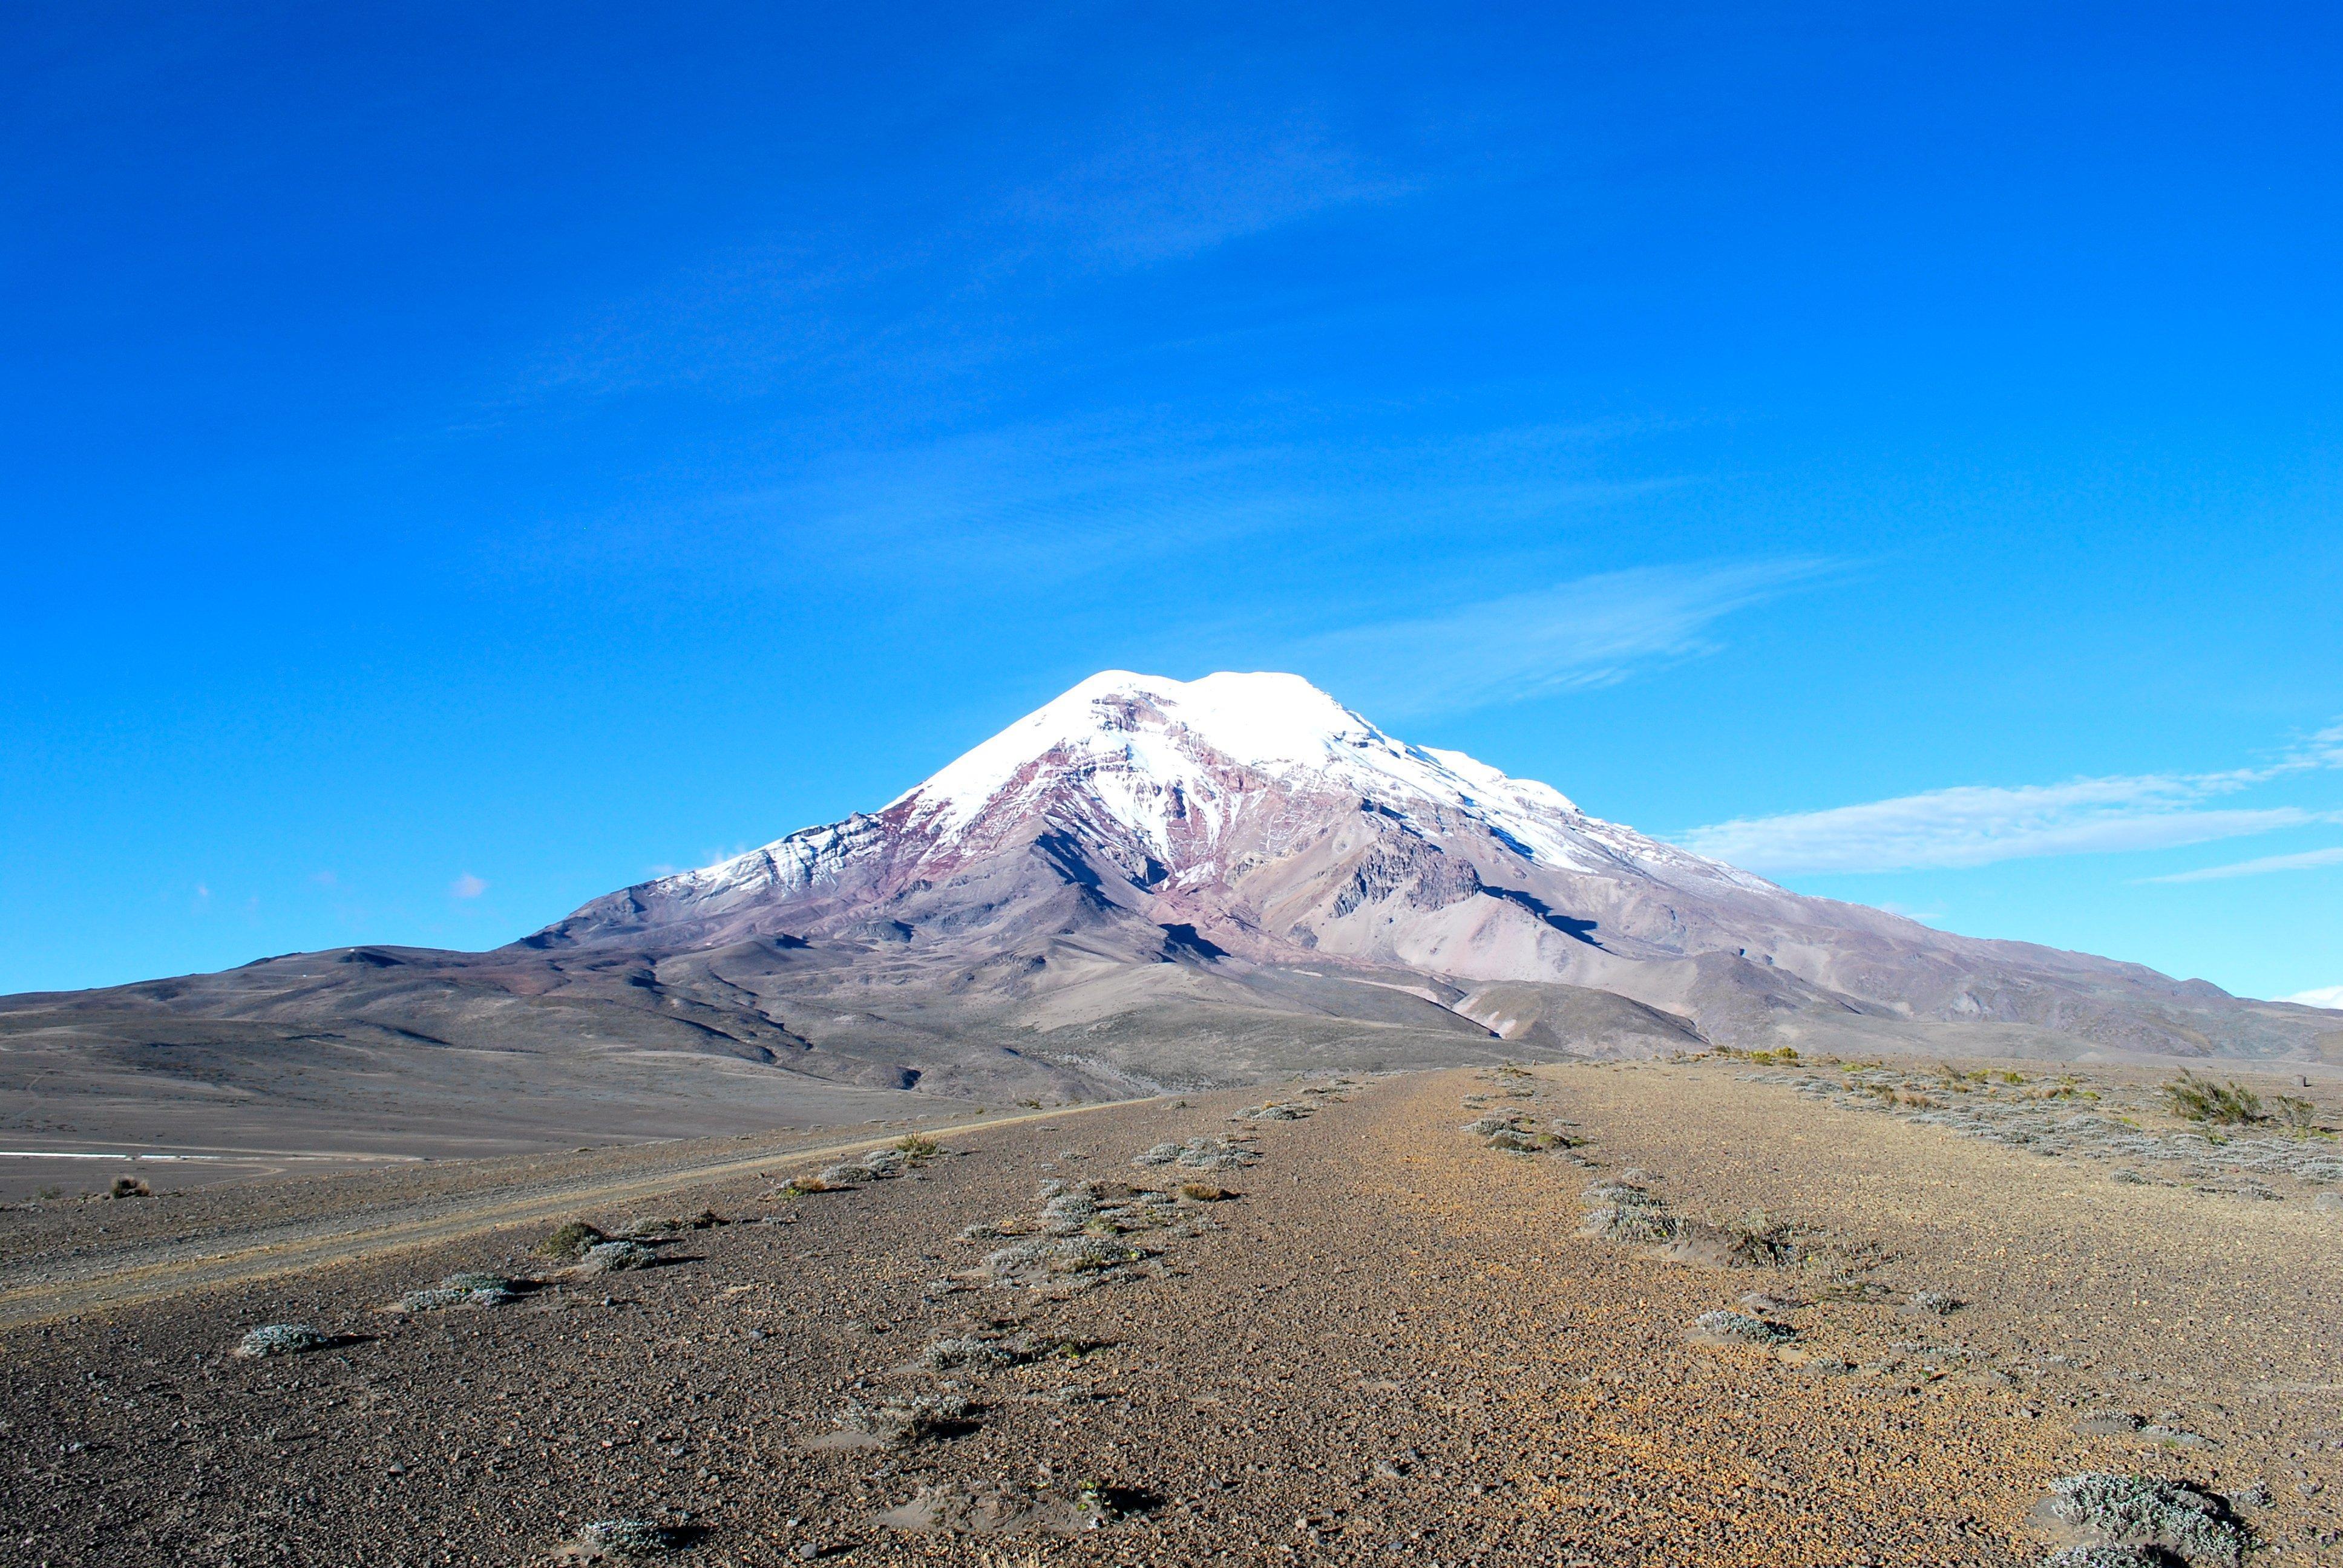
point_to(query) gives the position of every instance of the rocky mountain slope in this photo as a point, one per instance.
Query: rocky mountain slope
(1147, 883)
(1248, 821)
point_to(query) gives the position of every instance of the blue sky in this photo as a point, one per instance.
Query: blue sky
(461, 459)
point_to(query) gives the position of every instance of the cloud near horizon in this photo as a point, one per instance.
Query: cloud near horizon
(2262, 867)
(1979, 825)
(467, 886)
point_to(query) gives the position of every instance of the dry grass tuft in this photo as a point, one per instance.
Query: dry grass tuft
(2230, 1104)
(571, 1239)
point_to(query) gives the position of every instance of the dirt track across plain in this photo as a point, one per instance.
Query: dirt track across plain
(58, 1282)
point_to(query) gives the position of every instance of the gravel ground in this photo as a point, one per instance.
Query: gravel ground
(1396, 1343)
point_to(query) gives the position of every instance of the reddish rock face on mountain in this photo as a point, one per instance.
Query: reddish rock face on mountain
(1146, 883)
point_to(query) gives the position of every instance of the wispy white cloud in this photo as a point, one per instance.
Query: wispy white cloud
(2267, 863)
(1174, 192)
(467, 886)
(892, 291)
(1979, 825)
(1591, 632)
(2319, 996)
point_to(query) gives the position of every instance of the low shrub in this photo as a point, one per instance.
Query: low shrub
(2138, 1511)
(900, 1421)
(629, 1537)
(1624, 1212)
(1739, 1329)
(971, 1353)
(612, 1257)
(281, 1340)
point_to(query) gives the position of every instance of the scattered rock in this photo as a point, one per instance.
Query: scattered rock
(1930, 1304)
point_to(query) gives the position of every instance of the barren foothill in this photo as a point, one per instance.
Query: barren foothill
(1319, 1322)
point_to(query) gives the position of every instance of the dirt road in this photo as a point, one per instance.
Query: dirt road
(73, 1275)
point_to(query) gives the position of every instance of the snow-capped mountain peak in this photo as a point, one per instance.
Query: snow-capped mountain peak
(1154, 748)
(1185, 790)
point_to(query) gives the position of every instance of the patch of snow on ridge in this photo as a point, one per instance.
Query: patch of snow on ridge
(805, 857)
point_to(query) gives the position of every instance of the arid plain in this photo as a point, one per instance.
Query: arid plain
(1707, 1310)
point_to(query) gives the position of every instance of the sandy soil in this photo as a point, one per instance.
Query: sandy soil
(1395, 1346)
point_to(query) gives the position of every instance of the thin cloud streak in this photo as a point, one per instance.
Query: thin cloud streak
(1980, 825)
(1592, 632)
(2262, 867)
